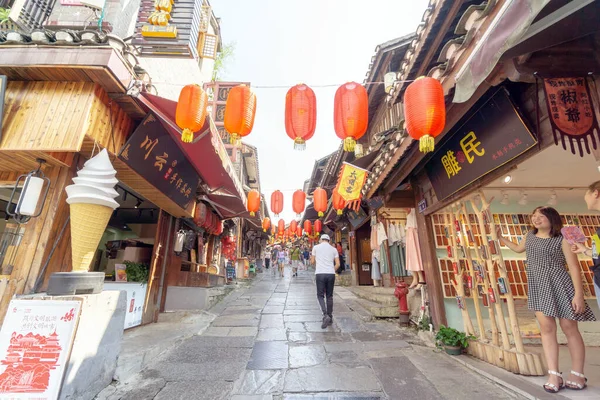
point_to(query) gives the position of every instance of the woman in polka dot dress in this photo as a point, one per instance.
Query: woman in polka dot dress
(553, 293)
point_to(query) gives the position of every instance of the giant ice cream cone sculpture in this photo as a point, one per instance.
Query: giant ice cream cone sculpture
(92, 203)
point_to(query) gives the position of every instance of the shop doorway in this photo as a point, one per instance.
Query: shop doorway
(363, 244)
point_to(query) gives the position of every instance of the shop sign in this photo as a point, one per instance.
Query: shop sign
(571, 112)
(2, 93)
(356, 219)
(154, 155)
(35, 343)
(136, 296)
(494, 135)
(158, 21)
(352, 179)
(422, 206)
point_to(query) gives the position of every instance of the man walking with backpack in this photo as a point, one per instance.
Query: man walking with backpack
(326, 260)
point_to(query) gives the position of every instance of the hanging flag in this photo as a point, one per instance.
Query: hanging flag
(351, 182)
(571, 113)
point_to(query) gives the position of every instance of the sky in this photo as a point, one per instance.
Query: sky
(315, 42)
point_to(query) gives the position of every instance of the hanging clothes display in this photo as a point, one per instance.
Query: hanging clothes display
(413, 251)
(397, 256)
(375, 273)
(381, 238)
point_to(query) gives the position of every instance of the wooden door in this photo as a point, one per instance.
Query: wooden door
(364, 257)
(161, 245)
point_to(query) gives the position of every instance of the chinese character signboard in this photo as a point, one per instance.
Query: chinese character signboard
(351, 182)
(422, 205)
(136, 295)
(357, 218)
(35, 344)
(153, 154)
(491, 137)
(571, 112)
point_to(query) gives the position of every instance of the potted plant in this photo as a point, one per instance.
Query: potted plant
(136, 272)
(451, 340)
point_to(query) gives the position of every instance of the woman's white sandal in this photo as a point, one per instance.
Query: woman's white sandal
(574, 385)
(551, 387)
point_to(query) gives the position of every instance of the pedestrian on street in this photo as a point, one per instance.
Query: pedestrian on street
(295, 256)
(281, 261)
(340, 251)
(327, 260)
(552, 294)
(306, 257)
(267, 257)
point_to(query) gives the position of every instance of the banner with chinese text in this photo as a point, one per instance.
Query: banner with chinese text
(491, 137)
(35, 345)
(571, 113)
(153, 154)
(351, 182)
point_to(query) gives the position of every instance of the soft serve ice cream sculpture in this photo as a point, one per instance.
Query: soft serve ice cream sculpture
(91, 201)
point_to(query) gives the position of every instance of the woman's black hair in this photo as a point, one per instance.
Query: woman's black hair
(554, 219)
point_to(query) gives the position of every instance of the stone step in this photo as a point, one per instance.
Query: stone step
(343, 280)
(385, 298)
(379, 310)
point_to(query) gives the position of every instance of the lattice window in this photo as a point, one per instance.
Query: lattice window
(209, 45)
(204, 19)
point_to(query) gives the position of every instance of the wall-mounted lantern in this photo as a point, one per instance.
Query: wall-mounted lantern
(33, 195)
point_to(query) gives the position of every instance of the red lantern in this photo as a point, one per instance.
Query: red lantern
(320, 201)
(351, 113)
(276, 202)
(307, 227)
(338, 202)
(200, 214)
(293, 227)
(253, 202)
(318, 227)
(298, 202)
(239, 112)
(300, 114)
(280, 227)
(190, 113)
(266, 223)
(299, 231)
(425, 111)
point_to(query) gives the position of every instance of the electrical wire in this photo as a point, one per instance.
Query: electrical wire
(289, 86)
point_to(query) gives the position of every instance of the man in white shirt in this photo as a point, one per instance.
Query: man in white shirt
(326, 259)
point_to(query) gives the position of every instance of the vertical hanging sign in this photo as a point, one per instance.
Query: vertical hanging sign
(571, 113)
(2, 92)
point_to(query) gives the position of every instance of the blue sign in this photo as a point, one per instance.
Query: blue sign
(422, 205)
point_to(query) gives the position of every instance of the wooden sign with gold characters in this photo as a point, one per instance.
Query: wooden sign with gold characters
(159, 21)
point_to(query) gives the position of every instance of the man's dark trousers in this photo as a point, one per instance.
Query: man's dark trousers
(325, 283)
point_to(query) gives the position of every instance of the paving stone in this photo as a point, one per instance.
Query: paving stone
(269, 355)
(343, 357)
(307, 356)
(231, 320)
(182, 371)
(297, 336)
(302, 312)
(295, 327)
(190, 390)
(216, 341)
(271, 321)
(189, 353)
(252, 397)
(348, 324)
(273, 310)
(376, 336)
(143, 390)
(316, 327)
(240, 310)
(243, 331)
(271, 334)
(347, 346)
(411, 382)
(335, 396)
(324, 337)
(217, 331)
(385, 345)
(331, 378)
(314, 317)
(255, 382)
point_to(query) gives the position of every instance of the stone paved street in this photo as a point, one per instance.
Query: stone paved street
(266, 342)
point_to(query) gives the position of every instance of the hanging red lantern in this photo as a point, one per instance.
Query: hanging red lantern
(200, 214)
(320, 201)
(307, 227)
(425, 111)
(318, 225)
(298, 202)
(239, 113)
(266, 223)
(300, 115)
(293, 226)
(281, 227)
(299, 231)
(190, 113)
(277, 202)
(351, 113)
(253, 203)
(338, 202)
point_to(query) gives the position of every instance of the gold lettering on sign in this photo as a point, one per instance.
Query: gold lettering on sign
(159, 21)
